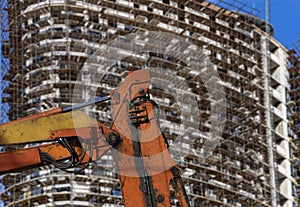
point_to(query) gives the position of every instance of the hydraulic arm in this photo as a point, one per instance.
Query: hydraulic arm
(147, 172)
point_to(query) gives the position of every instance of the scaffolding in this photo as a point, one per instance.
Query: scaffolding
(50, 42)
(294, 115)
(4, 62)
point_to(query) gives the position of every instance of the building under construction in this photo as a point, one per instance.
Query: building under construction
(294, 109)
(51, 42)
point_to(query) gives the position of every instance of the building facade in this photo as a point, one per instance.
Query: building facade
(293, 106)
(50, 42)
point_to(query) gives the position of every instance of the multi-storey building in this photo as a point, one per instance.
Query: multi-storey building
(293, 106)
(4, 64)
(50, 43)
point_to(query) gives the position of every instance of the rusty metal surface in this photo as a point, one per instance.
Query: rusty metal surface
(20, 159)
(30, 157)
(143, 160)
(38, 128)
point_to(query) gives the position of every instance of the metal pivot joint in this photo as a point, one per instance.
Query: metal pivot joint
(113, 138)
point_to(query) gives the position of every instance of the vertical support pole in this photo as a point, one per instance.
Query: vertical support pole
(267, 104)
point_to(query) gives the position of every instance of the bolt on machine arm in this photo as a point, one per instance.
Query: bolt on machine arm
(146, 170)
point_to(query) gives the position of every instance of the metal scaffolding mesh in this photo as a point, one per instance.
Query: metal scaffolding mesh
(4, 62)
(50, 42)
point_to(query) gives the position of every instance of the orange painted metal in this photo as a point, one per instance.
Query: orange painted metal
(94, 134)
(30, 157)
(18, 160)
(158, 162)
(83, 133)
(143, 160)
(130, 179)
(146, 169)
(60, 152)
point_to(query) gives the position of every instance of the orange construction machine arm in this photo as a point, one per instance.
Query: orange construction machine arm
(147, 172)
(62, 130)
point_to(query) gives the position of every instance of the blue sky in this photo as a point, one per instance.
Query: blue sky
(285, 18)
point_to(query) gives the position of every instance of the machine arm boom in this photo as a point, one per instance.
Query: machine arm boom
(146, 169)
